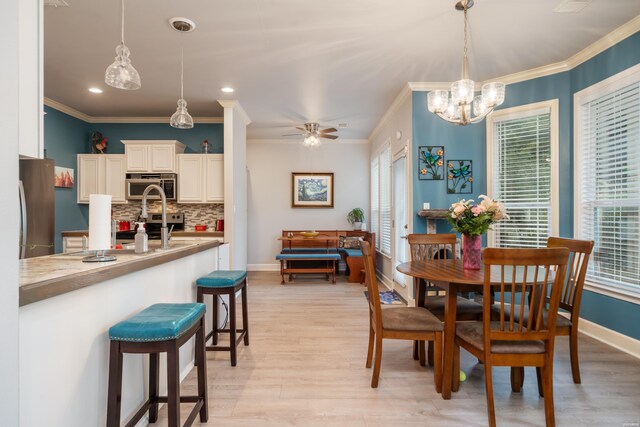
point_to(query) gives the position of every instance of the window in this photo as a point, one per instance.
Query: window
(607, 179)
(522, 173)
(381, 199)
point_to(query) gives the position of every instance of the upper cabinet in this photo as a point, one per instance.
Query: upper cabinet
(101, 174)
(200, 178)
(152, 156)
(30, 47)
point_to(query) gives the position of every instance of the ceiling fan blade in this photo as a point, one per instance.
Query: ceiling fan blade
(329, 130)
(301, 128)
(328, 136)
(294, 134)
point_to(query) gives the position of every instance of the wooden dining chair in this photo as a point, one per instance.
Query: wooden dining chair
(570, 298)
(504, 342)
(437, 246)
(404, 323)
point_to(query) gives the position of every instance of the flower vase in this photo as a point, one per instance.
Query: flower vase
(471, 252)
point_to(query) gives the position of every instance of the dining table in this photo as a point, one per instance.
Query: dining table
(450, 275)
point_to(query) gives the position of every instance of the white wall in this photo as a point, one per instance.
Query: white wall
(9, 377)
(270, 165)
(397, 119)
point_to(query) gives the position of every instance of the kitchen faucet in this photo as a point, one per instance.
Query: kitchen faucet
(164, 231)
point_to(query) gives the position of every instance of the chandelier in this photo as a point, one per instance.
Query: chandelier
(121, 73)
(457, 107)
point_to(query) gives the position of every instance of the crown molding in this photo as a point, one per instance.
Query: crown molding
(395, 105)
(599, 46)
(235, 104)
(97, 119)
(299, 141)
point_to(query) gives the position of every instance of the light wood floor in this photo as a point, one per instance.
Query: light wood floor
(305, 367)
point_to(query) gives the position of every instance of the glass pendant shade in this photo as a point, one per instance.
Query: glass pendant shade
(493, 93)
(462, 91)
(479, 107)
(437, 101)
(121, 73)
(311, 141)
(181, 119)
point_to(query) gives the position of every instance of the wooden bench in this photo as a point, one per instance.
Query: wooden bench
(352, 256)
(288, 264)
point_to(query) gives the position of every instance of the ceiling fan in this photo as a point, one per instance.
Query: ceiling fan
(312, 134)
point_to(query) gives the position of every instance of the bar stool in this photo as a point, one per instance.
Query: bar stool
(226, 282)
(157, 329)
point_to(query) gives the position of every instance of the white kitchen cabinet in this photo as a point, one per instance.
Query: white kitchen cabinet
(152, 155)
(101, 174)
(200, 178)
(71, 244)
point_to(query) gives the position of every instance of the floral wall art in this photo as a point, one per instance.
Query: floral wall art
(459, 177)
(431, 162)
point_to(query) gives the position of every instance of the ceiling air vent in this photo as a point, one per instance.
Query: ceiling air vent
(56, 3)
(571, 6)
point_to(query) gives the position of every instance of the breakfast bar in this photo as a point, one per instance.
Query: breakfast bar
(67, 307)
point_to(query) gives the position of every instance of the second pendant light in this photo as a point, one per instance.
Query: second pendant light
(181, 119)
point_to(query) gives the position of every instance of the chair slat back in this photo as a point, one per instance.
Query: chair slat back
(579, 253)
(432, 246)
(372, 283)
(537, 271)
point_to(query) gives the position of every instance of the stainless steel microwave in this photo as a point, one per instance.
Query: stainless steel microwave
(138, 182)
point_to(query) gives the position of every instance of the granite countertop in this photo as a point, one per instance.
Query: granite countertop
(47, 276)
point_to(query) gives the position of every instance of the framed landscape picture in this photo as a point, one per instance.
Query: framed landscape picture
(431, 162)
(312, 189)
(459, 177)
(63, 177)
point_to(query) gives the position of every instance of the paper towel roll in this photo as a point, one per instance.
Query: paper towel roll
(99, 222)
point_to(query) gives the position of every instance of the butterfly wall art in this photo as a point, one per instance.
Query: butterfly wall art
(459, 177)
(431, 162)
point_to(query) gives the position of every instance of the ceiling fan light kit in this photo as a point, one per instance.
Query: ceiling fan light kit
(181, 119)
(457, 108)
(121, 74)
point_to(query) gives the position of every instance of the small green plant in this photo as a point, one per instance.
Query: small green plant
(355, 215)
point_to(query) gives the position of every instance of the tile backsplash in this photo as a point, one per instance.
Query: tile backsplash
(193, 213)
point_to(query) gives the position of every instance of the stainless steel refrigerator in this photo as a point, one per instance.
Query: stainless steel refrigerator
(36, 207)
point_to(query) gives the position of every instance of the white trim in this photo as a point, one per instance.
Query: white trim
(298, 141)
(553, 106)
(599, 46)
(235, 104)
(610, 337)
(612, 292)
(383, 146)
(395, 105)
(96, 119)
(263, 267)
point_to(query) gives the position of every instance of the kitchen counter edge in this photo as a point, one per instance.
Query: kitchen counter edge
(39, 291)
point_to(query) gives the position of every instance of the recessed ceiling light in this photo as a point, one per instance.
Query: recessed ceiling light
(95, 90)
(228, 89)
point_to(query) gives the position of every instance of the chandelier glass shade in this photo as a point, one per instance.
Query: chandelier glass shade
(181, 119)
(311, 141)
(121, 73)
(463, 106)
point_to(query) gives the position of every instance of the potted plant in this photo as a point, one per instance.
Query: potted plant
(356, 218)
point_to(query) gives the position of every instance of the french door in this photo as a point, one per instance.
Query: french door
(400, 221)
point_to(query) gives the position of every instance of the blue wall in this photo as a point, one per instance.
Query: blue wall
(65, 137)
(469, 142)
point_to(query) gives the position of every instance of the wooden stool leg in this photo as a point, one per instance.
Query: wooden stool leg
(154, 385)
(115, 385)
(173, 384)
(214, 321)
(232, 327)
(245, 314)
(202, 372)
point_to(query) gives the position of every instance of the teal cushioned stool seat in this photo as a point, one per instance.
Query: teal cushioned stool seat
(221, 278)
(159, 328)
(226, 282)
(158, 322)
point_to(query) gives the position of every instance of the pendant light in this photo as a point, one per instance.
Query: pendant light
(121, 73)
(181, 119)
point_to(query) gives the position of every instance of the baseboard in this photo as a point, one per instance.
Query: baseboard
(387, 282)
(610, 337)
(263, 267)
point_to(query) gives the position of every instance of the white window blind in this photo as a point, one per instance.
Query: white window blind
(385, 201)
(608, 181)
(375, 207)
(522, 177)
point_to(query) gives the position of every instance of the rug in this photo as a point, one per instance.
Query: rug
(387, 297)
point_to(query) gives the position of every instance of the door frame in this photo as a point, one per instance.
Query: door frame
(403, 151)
